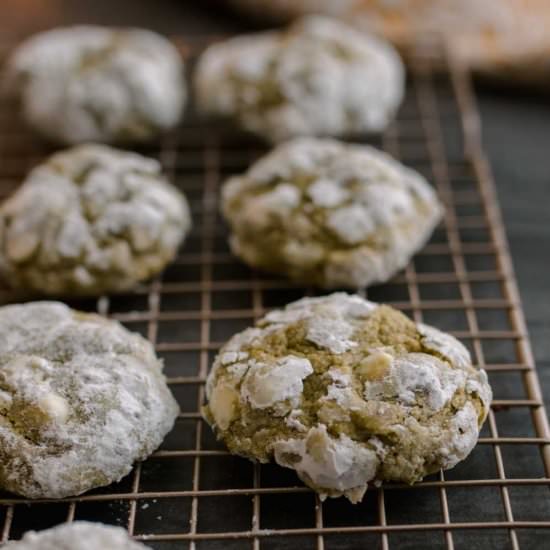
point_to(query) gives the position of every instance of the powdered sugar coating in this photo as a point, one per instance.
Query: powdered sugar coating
(319, 77)
(84, 399)
(89, 83)
(338, 306)
(266, 386)
(329, 213)
(444, 344)
(346, 392)
(338, 464)
(417, 372)
(89, 220)
(79, 535)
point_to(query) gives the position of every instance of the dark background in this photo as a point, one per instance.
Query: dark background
(516, 132)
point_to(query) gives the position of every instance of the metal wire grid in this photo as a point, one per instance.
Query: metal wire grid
(191, 493)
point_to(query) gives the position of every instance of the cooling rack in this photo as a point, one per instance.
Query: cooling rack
(191, 493)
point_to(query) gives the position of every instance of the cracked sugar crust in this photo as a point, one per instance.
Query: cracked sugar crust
(347, 392)
(318, 77)
(79, 535)
(81, 400)
(89, 83)
(328, 213)
(89, 220)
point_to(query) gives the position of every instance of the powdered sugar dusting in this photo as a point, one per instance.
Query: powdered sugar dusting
(329, 319)
(465, 434)
(356, 215)
(322, 77)
(445, 344)
(88, 83)
(337, 464)
(341, 391)
(265, 385)
(417, 375)
(293, 420)
(331, 333)
(352, 224)
(79, 535)
(327, 193)
(91, 219)
(88, 399)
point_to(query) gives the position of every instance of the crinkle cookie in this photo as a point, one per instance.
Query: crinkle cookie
(81, 400)
(88, 83)
(89, 220)
(319, 77)
(508, 38)
(345, 392)
(80, 535)
(329, 214)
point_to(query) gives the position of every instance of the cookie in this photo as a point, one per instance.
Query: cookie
(81, 400)
(90, 220)
(347, 392)
(507, 39)
(329, 214)
(79, 535)
(318, 77)
(89, 83)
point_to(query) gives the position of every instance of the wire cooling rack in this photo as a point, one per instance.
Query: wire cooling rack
(191, 493)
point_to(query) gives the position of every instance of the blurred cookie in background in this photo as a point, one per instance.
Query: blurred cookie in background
(319, 77)
(89, 83)
(507, 39)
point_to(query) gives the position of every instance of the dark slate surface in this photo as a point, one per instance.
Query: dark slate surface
(516, 132)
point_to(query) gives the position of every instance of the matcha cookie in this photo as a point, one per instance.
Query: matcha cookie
(90, 220)
(81, 400)
(319, 77)
(80, 535)
(88, 83)
(345, 392)
(329, 214)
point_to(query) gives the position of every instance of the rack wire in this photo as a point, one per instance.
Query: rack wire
(191, 493)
